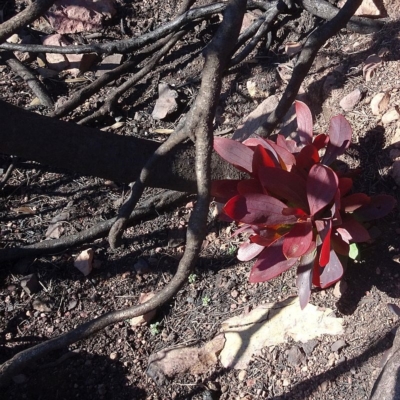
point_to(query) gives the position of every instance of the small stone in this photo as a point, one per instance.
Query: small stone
(339, 344)
(309, 346)
(40, 305)
(295, 356)
(30, 284)
(340, 288)
(234, 294)
(109, 63)
(242, 375)
(72, 304)
(166, 103)
(286, 382)
(390, 116)
(324, 386)
(113, 356)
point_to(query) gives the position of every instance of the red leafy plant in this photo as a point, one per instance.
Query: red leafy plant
(296, 209)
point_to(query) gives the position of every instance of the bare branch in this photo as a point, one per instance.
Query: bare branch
(314, 42)
(32, 12)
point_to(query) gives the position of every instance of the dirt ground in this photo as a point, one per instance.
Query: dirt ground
(113, 363)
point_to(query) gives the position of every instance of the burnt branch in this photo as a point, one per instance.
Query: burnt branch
(306, 58)
(216, 60)
(32, 12)
(326, 10)
(125, 45)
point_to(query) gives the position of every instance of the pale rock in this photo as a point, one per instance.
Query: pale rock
(390, 116)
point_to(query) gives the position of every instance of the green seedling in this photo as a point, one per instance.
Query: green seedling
(192, 278)
(155, 329)
(206, 301)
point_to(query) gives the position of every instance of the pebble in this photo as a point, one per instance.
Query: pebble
(242, 375)
(295, 356)
(338, 345)
(309, 346)
(113, 356)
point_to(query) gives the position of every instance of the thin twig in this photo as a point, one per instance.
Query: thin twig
(314, 42)
(23, 71)
(153, 206)
(7, 174)
(32, 12)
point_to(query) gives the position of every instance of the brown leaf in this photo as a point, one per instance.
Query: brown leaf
(380, 103)
(179, 360)
(84, 262)
(166, 102)
(71, 16)
(272, 324)
(285, 71)
(371, 64)
(350, 101)
(24, 210)
(368, 8)
(292, 48)
(390, 116)
(146, 318)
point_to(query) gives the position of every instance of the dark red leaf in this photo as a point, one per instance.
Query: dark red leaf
(224, 189)
(304, 275)
(324, 228)
(298, 240)
(339, 245)
(288, 144)
(332, 272)
(257, 209)
(304, 122)
(339, 139)
(307, 157)
(234, 153)
(380, 206)
(322, 184)
(245, 228)
(352, 231)
(248, 251)
(354, 201)
(297, 212)
(265, 237)
(253, 142)
(316, 272)
(320, 141)
(249, 186)
(271, 263)
(263, 157)
(345, 185)
(284, 185)
(335, 209)
(285, 155)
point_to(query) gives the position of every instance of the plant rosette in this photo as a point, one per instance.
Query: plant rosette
(296, 210)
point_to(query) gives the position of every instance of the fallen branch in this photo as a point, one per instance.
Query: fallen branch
(89, 151)
(153, 206)
(326, 10)
(198, 220)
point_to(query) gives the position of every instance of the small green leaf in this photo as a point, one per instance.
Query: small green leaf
(353, 253)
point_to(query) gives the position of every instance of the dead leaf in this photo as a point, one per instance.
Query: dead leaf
(253, 121)
(55, 229)
(40, 305)
(272, 324)
(24, 210)
(285, 71)
(390, 116)
(367, 8)
(371, 64)
(84, 262)
(351, 100)
(169, 363)
(166, 102)
(146, 318)
(71, 16)
(292, 48)
(380, 103)
(254, 90)
(162, 131)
